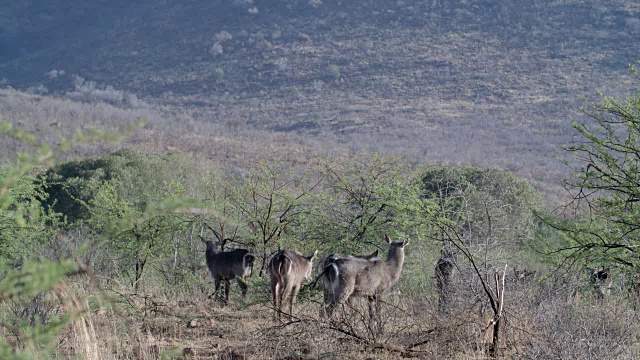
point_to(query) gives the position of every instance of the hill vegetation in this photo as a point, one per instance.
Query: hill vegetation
(133, 221)
(139, 130)
(460, 82)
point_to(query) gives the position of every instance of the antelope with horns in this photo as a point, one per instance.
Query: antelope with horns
(328, 260)
(353, 277)
(287, 270)
(228, 265)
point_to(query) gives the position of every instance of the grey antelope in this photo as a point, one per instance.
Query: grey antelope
(228, 265)
(287, 270)
(353, 277)
(328, 260)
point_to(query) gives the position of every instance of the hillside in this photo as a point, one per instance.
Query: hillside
(481, 82)
(324, 127)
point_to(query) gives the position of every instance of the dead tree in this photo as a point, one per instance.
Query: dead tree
(494, 295)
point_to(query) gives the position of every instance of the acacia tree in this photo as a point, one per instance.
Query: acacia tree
(606, 184)
(138, 237)
(221, 195)
(491, 207)
(486, 216)
(27, 225)
(269, 202)
(125, 197)
(362, 199)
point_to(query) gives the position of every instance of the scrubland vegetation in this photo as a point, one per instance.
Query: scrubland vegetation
(130, 133)
(478, 82)
(102, 254)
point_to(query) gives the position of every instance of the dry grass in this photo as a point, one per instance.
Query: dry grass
(436, 81)
(190, 326)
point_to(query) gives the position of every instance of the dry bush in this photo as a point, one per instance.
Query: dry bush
(538, 323)
(224, 133)
(50, 118)
(588, 328)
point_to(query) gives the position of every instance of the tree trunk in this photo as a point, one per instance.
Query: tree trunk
(495, 350)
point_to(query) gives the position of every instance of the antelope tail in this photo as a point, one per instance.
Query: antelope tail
(285, 265)
(315, 281)
(281, 265)
(332, 273)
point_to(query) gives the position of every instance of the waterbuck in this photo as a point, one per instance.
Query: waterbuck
(353, 277)
(600, 281)
(328, 260)
(444, 272)
(287, 270)
(228, 265)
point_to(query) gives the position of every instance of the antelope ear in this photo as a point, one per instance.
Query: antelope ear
(405, 243)
(386, 238)
(315, 253)
(250, 259)
(374, 254)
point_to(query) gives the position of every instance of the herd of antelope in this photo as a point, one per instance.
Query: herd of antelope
(344, 277)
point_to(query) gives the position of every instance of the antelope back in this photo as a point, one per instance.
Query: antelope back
(329, 259)
(291, 266)
(230, 264)
(362, 277)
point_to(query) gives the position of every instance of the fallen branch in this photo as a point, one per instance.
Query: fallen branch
(423, 341)
(349, 333)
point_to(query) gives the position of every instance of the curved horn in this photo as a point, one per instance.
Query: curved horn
(202, 238)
